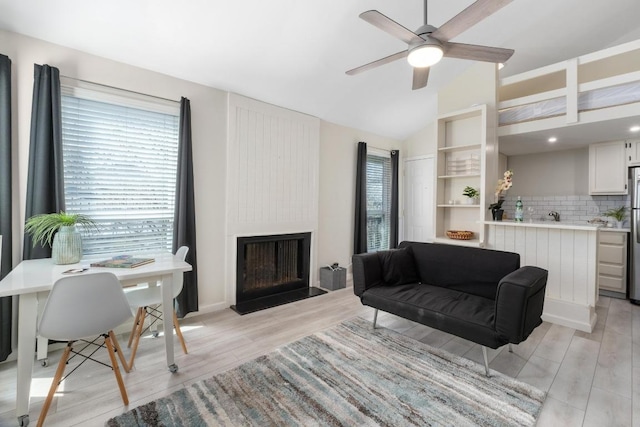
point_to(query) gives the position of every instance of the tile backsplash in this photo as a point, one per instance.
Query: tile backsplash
(570, 208)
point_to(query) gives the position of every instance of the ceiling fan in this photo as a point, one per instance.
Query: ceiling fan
(428, 44)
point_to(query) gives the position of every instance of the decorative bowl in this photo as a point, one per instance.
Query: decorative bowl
(460, 234)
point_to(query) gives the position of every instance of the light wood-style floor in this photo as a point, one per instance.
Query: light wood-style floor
(591, 379)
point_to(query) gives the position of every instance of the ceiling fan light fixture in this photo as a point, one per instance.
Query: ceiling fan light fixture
(425, 55)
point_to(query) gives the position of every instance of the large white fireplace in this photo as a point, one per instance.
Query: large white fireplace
(272, 204)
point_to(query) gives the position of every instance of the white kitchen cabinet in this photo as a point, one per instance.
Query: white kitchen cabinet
(608, 168)
(612, 262)
(633, 152)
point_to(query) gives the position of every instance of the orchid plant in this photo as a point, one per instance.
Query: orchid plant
(504, 184)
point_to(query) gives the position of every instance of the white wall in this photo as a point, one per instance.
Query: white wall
(476, 86)
(208, 119)
(556, 173)
(421, 143)
(338, 150)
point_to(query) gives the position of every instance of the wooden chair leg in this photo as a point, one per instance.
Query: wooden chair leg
(54, 384)
(116, 345)
(136, 338)
(116, 368)
(179, 332)
(135, 326)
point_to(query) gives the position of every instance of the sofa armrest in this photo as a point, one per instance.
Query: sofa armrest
(519, 303)
(367, 272)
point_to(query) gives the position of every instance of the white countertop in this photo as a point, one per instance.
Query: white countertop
(615, 229)
(566, 225)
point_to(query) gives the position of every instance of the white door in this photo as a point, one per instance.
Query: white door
(418, 199)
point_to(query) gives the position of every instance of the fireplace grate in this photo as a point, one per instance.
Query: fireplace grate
(272, 270)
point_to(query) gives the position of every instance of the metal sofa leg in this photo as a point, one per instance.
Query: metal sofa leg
(486, 361)
(510, 348)
(375, 318)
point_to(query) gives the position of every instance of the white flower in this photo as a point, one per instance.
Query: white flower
(504, 184)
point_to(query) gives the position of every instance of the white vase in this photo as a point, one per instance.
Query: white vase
(67, 246)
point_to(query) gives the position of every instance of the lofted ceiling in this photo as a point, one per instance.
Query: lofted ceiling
(294, 53)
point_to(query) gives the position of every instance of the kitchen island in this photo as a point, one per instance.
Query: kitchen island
(569, 251)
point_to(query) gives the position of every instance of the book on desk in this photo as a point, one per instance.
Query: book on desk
(122, 261)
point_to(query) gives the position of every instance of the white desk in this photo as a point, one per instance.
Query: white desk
(31, 281)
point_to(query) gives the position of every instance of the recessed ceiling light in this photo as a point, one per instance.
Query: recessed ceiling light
(552, 139)
(634, 129)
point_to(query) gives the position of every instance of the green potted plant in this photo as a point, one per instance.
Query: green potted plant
(619, 214)
(58, 230)
(471, 193)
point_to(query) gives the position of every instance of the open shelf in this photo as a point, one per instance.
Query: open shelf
(455, 148)
(472, 242)
(459, 206)
(469, 175)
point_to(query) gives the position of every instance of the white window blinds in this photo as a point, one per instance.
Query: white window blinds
(378, 202)
(120, 169)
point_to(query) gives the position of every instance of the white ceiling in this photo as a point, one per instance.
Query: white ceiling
(294, 53)
(570, 136)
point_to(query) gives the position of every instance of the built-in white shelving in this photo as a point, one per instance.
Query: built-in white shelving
(460, 162)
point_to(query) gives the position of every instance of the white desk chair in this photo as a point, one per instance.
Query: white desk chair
(84, 306)
(144, 302)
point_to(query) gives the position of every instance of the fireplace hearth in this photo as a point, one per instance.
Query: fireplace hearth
(272, 270)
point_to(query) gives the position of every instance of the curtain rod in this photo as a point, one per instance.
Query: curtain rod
(119, 88)
(380, 149)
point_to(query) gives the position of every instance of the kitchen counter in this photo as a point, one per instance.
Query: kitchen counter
(568, 251)
(566, 225)
(615, 230)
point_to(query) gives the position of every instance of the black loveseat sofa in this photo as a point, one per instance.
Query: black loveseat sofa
(478, 294)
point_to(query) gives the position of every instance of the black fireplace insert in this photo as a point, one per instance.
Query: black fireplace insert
(272, 270)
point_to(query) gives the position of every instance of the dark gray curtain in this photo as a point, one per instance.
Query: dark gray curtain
(393, 233)
(184, 222)
(360, 223)
(45, 184)
(5, 201)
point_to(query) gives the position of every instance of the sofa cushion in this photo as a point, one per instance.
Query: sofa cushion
(398, 267)
(467, 316)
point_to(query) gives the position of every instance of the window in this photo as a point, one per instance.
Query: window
(120, 161)
(378, 201)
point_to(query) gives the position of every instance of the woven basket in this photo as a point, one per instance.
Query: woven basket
(460, 234)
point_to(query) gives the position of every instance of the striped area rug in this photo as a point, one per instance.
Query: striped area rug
(348, 375)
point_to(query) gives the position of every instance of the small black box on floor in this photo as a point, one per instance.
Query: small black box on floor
(333, 278)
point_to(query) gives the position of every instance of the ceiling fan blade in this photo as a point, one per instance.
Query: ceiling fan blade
(476, 52)
(420, 77)
(390, 26)
(473, 14)
(377, 63)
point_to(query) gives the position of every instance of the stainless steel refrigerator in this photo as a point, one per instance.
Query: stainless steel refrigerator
(634, 241)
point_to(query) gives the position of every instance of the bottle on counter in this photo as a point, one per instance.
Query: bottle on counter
(519, 216)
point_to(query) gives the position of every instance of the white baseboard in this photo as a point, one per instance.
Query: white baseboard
(209, 308)
(576, 316)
